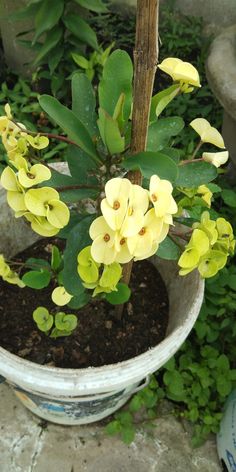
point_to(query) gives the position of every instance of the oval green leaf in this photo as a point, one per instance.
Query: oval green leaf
(153, 163)
(36, 279)
(121, 296)
(195, 174)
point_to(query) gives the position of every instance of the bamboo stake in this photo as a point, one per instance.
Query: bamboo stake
(145, 64)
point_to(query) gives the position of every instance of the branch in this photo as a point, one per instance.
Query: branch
(76, 187)
(48, 135)
(145, 64)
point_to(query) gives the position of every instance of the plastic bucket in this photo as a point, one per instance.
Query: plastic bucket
(81, 396)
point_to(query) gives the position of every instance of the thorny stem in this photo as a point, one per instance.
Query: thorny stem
(145, 64)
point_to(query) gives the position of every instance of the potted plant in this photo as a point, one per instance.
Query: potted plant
(125, 200)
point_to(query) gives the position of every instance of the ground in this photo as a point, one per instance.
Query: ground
(27, 445)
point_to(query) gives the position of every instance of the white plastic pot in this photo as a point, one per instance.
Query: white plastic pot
(81, 396)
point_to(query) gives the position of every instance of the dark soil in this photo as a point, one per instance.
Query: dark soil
(99, 339)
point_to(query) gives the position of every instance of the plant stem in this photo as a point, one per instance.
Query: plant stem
(145, 64)
(187, 161)
(48, 135)
(197, 149)
(76, 187)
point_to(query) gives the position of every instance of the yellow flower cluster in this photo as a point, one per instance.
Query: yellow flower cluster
(15, 140)
(210, 244)
(99, 279)
(9, 275)
(40, 206)
(127, 228)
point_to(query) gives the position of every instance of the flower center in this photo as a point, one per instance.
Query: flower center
(122, 241)
(31, 176)
(154, 197)
(106, 238)
(116, 205)
(142, 231)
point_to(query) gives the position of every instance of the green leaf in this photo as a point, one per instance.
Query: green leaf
(168, 250)
(81, 61)
(174, 381)
(59, 181)
(113, 427)
(93, 5)
(43, 319)
(117, 79)
(70, 124)
(65, 322)
(128, 434)
(80, 301)
(47, 16)
(81, 30)
(55, 57)
(151, 163)
(121, 296)
(223, 385)
(53, 37)
(223, 364)
(76, 241)
(84, 102)
(81, 165)
(229, 197)
(56, 259)
(173, 153)
(195, 174)
(37, 279)
(231, 282)
(57, 333)
(110, 133)
(161, 132)
(34, 263)
(162, 99)
(135, 404)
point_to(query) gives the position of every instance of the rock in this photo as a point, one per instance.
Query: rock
(221, 74)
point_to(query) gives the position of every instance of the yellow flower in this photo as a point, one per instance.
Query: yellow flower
(8, 275)
(146, 242)
(103, 246)
(88, 268)
(180, 71)
(60, 296)
(197, 247)
(123, 254)
(216, 158)
(45, 202)
(207, 133)
(38, 142)
(161, 197)
(114, 206)
(15, 192)
(40, 225)
(31, 176)
(137, 207)
(205, 193)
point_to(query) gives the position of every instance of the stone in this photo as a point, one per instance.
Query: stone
(221, 73)
(17, 56)
(29, 445)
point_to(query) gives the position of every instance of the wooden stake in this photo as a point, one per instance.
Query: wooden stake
(145, 64)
